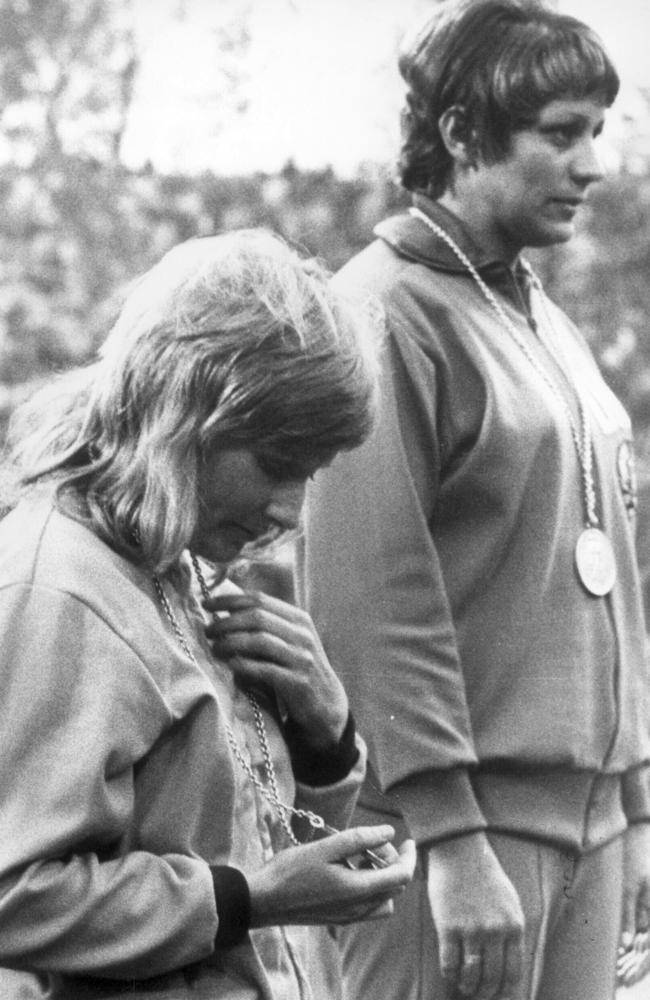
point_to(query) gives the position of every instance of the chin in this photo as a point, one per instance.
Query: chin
(223, 555)
(218, 552)
(565, 233)
(552, 235)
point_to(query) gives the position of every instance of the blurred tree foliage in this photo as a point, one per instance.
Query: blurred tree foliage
(77, 225)
(602, 280)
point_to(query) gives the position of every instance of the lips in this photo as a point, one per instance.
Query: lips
(244, 529)
(572, 203)
(564, 210)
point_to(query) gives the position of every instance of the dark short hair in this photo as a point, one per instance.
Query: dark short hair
(501, 62)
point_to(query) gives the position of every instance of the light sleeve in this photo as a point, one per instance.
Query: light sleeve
(636, 794)
(370, 575)
(79, 710)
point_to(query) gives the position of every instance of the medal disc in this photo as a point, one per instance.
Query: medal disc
(595, 562)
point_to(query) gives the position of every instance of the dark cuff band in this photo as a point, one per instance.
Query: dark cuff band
(321, 767)
(233, 905)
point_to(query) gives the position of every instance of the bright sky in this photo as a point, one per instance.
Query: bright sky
(320, 80)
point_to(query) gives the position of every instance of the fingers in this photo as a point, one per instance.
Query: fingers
(633, 963)
(629, 919)
(256, 626)
(642, 914)
(249, 600)
(384, 856)
(450, 949)
(642, 941)
(408, 855)
(271, 643)
(346, 843)
(514, 964)
(493, 962)
(470, 971)
(464, 966)
(368, 851)
(461, 965)
(482, 969)
(256, 619)
(310, 884)
(250, 627)
(255, 650)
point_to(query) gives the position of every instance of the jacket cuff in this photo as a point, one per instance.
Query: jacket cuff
(321, 767)
(233, 901)
(635, 788)
(438, 805)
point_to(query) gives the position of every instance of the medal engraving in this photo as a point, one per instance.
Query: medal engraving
(595, 562)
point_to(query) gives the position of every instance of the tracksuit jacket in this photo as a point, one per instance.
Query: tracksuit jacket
(493, 691)
(120, 796)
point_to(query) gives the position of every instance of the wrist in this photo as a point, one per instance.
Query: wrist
(233, 900)
(317, 765)
(463, 849)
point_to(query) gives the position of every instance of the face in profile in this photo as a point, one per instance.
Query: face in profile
(532, 196)
(240, 504)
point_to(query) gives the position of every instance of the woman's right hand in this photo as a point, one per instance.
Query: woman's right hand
(312, 884)
(478, 918)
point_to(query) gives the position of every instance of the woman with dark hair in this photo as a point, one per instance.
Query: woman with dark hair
(496, 64)
(471, 569)
(174, 753)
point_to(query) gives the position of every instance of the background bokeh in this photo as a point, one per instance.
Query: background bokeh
(127, 125)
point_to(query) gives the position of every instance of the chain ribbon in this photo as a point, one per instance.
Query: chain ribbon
(582, 435)
(269, 791)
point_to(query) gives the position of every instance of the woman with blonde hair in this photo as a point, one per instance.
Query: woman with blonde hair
(173, 752)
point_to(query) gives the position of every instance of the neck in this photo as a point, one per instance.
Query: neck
(475, 215)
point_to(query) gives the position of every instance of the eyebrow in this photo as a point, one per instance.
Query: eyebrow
(570, 112)
(577, 118)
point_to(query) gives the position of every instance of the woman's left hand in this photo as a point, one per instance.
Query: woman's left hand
(270, 642)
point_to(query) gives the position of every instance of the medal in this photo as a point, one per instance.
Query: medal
(595, 562)
(594, 556)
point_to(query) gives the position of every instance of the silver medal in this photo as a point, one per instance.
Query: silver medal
(595, 562)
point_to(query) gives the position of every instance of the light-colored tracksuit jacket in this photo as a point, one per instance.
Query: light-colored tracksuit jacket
(118, 786)
(493, 691)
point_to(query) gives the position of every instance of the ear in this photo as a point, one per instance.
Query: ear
(456, 136)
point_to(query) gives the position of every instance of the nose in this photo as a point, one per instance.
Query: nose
(586, 165)
(285, 505)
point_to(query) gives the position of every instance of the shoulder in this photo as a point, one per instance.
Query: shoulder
(63, 583)
(43, 547)
(372, 271)
(411, 292)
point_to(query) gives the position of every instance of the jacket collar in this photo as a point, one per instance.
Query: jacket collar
(409, 237)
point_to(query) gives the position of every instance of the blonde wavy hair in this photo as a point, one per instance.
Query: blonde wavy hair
(229, 341)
